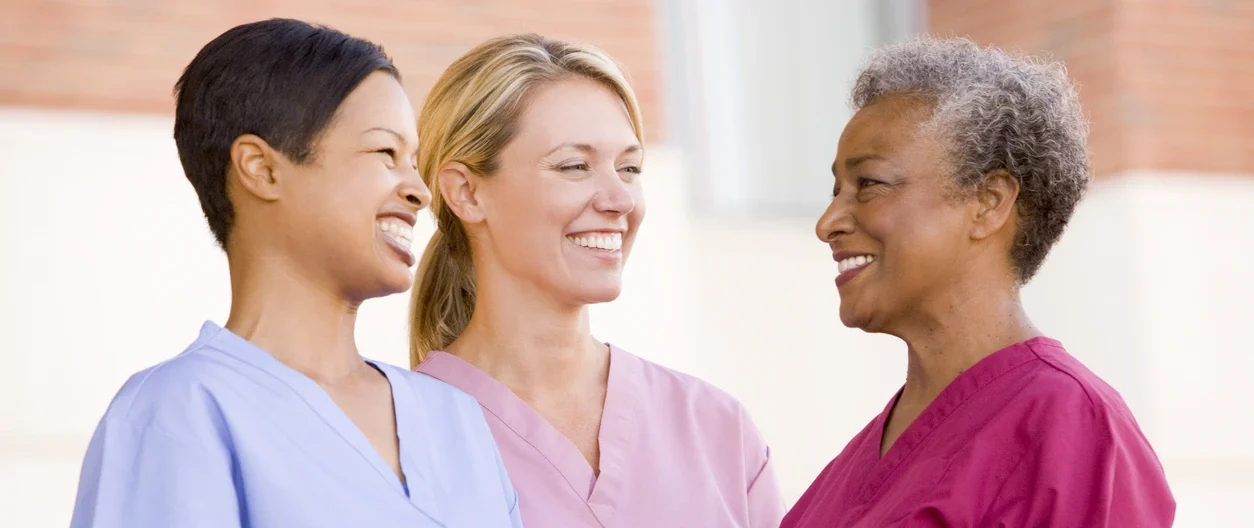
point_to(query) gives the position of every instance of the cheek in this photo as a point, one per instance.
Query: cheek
(517, 231)
(354, 194)
(541, 208)
(922, 239)
(326, 199)
(562, 204)
(528, 222)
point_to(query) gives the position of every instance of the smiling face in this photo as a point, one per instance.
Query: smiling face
(562, 210)
(350, 212)
(898, 233)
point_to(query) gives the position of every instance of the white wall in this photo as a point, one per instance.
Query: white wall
(108, 268)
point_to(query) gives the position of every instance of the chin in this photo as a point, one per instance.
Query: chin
(853, 319)
(402, 282)
(598, 293)
(589, 286)
(392, 281)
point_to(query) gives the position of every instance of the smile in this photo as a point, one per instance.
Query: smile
(399, 235)
(603, 241)
(853, 263)
(397, 231)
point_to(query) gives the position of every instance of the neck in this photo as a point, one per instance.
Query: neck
(305, 325)
(963, 326)
(531, 345)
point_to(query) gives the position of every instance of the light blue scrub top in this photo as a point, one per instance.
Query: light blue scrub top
(224, 435)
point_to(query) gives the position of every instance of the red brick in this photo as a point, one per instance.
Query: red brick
(1168, 85)
(125, 56)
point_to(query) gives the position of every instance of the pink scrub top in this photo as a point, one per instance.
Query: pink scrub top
(1026, 437)
(675, 452)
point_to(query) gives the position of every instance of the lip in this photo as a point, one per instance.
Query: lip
(845, 277)
(406, 255)
(598, 232)
(404, 216)
(842, 255)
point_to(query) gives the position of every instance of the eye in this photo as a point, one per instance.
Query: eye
(631, 168)
(389, 152)
(581, 166)
(867, 182)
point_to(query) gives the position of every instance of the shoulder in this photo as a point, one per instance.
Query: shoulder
(1076, 439)
(702, 411)
(1063, 385)
(701, 419)
(179, 396)
(1071, 412)
(177, 385)
(682, 391)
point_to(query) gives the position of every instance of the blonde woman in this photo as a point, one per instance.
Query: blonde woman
(533, 148)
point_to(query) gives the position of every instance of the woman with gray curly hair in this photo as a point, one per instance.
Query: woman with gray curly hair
(954, 178)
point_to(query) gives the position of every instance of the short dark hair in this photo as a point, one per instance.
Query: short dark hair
(280, 79)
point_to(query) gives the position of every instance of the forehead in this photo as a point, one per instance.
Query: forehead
(379, 101)
(575, 110)
(887, 126)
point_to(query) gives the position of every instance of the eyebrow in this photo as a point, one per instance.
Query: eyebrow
(857, 160)
(588, 149)
(396, 134)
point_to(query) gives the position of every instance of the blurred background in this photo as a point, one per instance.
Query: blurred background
(109, 268)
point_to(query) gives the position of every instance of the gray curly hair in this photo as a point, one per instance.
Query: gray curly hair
(996, 111)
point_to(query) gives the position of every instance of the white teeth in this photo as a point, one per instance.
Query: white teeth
(608, 242)
(854, 262)
(397, 230)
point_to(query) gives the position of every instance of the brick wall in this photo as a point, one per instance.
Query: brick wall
(1168, 84)
(125, 55)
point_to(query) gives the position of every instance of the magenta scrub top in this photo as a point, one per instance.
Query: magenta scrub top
(675, 452)
(1026, 437)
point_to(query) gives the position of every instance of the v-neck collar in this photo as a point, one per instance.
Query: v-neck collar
(953, 397)
(617, 431)
(411, 421)
(408, 413)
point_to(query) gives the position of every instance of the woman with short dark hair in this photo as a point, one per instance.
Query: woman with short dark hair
(300, 143)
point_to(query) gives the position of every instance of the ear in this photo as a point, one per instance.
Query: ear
(255, 164)
(458, 185)
(995, 201)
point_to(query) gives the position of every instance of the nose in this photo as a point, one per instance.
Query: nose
(835, 221)
(413, 190)
(615, 196)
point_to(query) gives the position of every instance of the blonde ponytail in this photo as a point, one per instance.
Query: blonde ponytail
(444, 296)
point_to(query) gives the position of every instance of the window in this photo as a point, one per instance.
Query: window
(758, 92)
